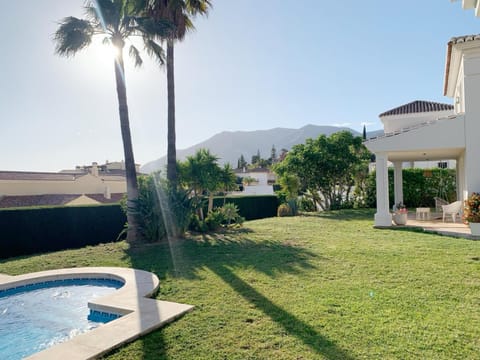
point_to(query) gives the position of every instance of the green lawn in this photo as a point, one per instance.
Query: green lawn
(313, 287)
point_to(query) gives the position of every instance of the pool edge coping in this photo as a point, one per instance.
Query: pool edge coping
(140, 314)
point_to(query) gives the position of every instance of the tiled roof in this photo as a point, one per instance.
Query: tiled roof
(36, 200)
(28, 175)
(418, 106)
(464, 38)
(454, 41)
(10, 201)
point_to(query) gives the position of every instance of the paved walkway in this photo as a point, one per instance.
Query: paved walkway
(437, 226)
(4, 277)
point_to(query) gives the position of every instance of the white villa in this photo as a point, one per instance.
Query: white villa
(263, 180)
(435, 132)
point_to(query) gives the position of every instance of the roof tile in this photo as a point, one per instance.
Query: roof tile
(417, 106)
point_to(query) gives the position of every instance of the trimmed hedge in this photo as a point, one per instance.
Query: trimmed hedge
(35, 230)
(252, 207)
(419, 190)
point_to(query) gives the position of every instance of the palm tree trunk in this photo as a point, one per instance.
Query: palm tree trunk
(131, 173)
(171, 150)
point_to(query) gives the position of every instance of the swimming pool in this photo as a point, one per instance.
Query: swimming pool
(37, 316)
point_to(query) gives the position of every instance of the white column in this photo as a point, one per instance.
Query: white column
(398, 182)
(461, 192)
(382, 216)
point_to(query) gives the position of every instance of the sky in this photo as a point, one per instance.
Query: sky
(249, 65)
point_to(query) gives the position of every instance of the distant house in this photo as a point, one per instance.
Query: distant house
(257, 181)
(453, 136)
(85, 185)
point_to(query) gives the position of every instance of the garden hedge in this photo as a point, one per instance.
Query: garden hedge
(420, 187)
(252, 207)
(35, 230)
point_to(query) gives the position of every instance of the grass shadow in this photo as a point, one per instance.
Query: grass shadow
(235, 249)
(290, 323)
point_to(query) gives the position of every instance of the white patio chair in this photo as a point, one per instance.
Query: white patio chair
(439, 202)
(452, 209)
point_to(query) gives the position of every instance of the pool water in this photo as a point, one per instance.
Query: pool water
(35, 317)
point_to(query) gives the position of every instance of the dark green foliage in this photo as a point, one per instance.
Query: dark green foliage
(252, 207)
(419, 190)
(306, 204)
(224, 216)
(162, 209)
(327, 168)
(35, 230)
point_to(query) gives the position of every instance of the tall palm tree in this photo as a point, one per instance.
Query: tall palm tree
(115, 21)
(177, 12)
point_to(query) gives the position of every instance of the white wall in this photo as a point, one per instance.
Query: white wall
(394, 123)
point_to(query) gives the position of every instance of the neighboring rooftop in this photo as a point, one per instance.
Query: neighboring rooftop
(417, 106)
(10, 201)
(29, 175)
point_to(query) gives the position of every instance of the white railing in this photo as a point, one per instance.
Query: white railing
(410, 128)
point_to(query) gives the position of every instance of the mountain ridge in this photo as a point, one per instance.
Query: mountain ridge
(228, 146)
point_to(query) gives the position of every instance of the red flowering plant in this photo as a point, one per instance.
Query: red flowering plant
(400, 208)
(471, 208)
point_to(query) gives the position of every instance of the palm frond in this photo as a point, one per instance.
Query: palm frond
(195, 7)
(72, 36)
(135, 55)
(105, 13)
(161, 28)
(155, 50)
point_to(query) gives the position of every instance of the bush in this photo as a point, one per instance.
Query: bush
(252, 207)
(471, 211)
(34, 230)
(161, 209)
(231, 215)
(418, 190)
(214, 219)
(306, 204)
(284, 210)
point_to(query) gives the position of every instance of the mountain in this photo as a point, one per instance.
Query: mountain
(230, 145)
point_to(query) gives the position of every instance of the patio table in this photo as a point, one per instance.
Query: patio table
(423, 213)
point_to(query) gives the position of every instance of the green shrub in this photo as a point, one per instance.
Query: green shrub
(418, 190)
(252, 207)
(162, 210)
(231, 214)
(214, 219)
(284, 210)
(306, 204)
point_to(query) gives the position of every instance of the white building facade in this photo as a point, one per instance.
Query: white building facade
(437, 135)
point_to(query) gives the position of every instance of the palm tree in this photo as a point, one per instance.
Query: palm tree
(178, 12)
(115, 21)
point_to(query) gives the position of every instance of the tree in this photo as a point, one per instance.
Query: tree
(256, 158)
(201, 174)
(364, 134)
(326, 167)
(228, 181)
(115, 21)
(177, 12)
(273, 155)
(242, 163)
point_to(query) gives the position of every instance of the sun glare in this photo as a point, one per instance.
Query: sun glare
(104, 52)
